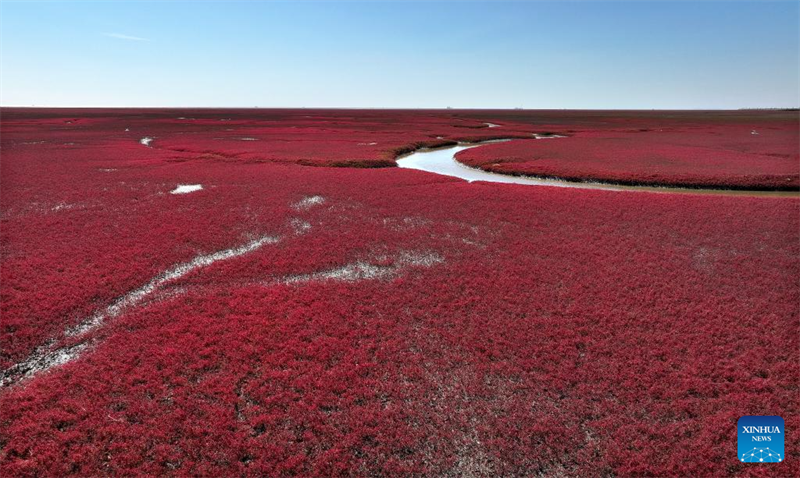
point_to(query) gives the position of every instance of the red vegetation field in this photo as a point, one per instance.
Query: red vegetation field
(729, 155)
(296, 320)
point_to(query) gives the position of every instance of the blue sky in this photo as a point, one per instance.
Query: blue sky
(404, 54)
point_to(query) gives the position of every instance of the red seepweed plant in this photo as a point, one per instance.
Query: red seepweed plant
(315, 321)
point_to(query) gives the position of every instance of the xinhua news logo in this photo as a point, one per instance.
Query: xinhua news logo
(761, 439)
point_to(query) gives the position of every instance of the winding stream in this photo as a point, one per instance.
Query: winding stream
(443, 161)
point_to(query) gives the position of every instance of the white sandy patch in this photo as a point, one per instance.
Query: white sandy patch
(406, 223)
(186, 188)
(308, 202)
(419, 259)
(300, 226)
(146, 141)
(365, 270)
(41, 360)
(350, 272)
(62, 205)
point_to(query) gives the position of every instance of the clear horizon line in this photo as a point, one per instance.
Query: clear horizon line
(446, 108)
